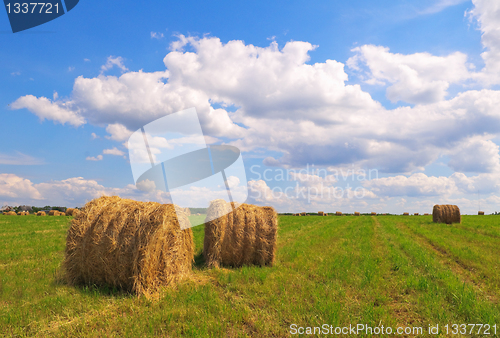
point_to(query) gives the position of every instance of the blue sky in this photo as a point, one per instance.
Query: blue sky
(406, 89)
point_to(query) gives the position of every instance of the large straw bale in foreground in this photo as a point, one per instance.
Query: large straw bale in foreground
(137, 246)
(446, 214)
(242, 236)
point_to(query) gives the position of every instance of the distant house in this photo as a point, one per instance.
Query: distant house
(25, 208)
(6, 208)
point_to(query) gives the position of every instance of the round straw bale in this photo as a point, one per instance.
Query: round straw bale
(40, 213)
(406, 214)
(75, 212)
(415, 214)
(62, 214)
(480, 212)
(242, 235)
(446, 214)
(136, 246)
(338, 213)
(69, 211)
(374, 214)
(426, 214)
(20, 213)
(325, 214)
(356, 213)
(53, 212)
(320, 213)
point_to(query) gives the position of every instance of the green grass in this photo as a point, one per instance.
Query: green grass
(383, 270)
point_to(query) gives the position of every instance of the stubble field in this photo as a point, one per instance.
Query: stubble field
(395, 271)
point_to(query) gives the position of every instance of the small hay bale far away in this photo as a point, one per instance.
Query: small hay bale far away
(338, 213)
(415, 214)
(446, 213)
(302, 214)
(480, 213)
(406, 214)
(325, 214)
(135, 246)
(53, 212)
(426, 214)
(62, 214)
(40, 213)
(242, 235)
(320, 213)
(374, 214)
(356, 213)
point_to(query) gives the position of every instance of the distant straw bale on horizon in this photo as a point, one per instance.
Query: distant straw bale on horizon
(446, 213)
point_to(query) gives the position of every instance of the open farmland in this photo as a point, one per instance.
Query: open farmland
(377, 270)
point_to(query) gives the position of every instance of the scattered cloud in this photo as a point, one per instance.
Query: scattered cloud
(97, 158)
(94, 136)
(487, 14)
(419, 78)
(15, 73)
(57, 111)
(113, 151)
(441, 5)
(86, 60)
(114, 62)
(157, 35)
(19, 159)
(118, 132)
(17, 188)
(70, 69)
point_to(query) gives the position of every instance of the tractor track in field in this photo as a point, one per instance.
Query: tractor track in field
(400, 305)
(464, 272)
(459, 226)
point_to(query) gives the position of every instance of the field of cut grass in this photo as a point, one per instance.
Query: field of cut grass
(384, 270)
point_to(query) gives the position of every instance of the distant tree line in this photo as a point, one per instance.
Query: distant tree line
(48, 207)
(198, 210)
